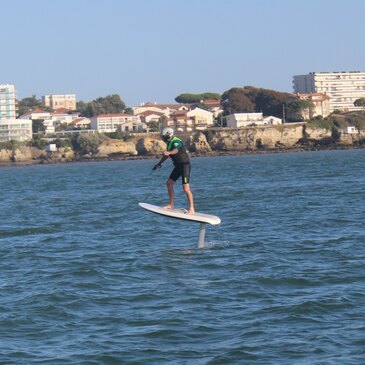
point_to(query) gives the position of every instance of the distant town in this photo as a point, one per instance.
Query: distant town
(315, 95)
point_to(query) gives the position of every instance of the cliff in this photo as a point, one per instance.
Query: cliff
(286, 137)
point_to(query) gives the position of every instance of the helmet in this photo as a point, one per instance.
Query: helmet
(167, 134)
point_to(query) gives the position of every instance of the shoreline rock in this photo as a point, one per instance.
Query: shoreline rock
(212, 142)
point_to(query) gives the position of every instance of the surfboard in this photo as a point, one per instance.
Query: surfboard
(182, 214)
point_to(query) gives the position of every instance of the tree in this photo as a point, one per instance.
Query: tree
(110, 104)
(360, 102)
(236, 100)
(251, 99)
(37, 125)
(86, 144)
(196, 98)
(28, 103)
(297, 108)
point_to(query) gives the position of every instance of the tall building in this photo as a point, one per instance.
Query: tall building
(7, 102)
(343, 88)
(12, 129)
(67, 101)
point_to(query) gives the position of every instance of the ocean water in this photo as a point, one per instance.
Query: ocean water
(88, 277)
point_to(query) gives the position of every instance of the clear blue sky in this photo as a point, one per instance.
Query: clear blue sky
(154, 50)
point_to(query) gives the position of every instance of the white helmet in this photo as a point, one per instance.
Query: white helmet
(167, 134)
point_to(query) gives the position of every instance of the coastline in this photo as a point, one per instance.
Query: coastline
(219, 153)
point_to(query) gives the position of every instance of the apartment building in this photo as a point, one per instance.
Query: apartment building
(12, 129)
(8, 106)
(67, 101)
(107, 123)
(343, 88)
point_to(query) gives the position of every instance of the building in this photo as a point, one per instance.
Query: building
(81, 123)
(271, 120)
(8, 106)
(108, 123)
(36, 114)
(64, 116)
(15, 130)
(67, 101)
(165, 109)
(321, 104)
(189, 120)
(213, 106)
(238, 120)
(343, 88)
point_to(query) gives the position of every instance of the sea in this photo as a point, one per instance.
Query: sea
(89, 277)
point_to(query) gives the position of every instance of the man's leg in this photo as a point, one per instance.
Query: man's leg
(170, 189)
(190, 197)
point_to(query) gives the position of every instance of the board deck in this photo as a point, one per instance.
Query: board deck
(182, 214)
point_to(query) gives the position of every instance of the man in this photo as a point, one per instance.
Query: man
(177, 152)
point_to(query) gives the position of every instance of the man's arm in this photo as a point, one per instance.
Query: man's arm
(159, 164)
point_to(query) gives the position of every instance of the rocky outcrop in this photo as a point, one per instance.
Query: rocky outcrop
(241, 139)
(198, 143)
(352, 139)
(20, 154)
(116, 147)
(147, 146)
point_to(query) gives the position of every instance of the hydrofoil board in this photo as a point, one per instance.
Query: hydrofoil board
(182, 214)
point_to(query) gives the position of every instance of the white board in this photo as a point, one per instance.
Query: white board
(182, 214)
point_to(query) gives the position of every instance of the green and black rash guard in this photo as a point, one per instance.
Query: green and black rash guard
(181, 157)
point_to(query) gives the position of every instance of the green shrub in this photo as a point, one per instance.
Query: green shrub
(323, 123)
(86, 144)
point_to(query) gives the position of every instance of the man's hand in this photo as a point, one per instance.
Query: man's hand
(157, 166)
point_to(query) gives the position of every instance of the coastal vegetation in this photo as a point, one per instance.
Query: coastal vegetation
(249, 99)
(189, 98)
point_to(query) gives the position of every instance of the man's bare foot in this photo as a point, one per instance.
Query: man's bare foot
(191, 211)
(168, 207)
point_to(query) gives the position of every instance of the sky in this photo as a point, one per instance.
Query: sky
(155, 50)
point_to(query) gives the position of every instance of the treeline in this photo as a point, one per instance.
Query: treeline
(103, 105)
(247, 99)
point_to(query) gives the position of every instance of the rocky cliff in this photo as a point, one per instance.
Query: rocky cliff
(216, 140)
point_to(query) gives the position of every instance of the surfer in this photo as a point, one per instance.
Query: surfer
(176, 150)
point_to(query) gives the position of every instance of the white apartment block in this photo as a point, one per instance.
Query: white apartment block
(15, 130)
(342, 87)
(67, 101)
(8, 106)
(108, 123)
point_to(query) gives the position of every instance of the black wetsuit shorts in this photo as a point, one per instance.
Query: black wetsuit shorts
(182, 170)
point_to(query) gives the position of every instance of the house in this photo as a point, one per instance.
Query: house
(36, 114)
(189, 120)
(350, 130)
(165, 109)
(64, 116)
(108, 123)
(150, 116)
(81, 123)
(49, 127)
(214, 106)
(202, 118)
(321, 104)
(238, 120)
(271, 120)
